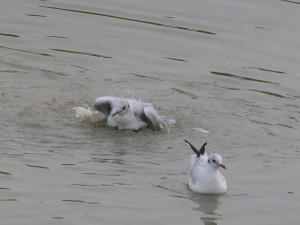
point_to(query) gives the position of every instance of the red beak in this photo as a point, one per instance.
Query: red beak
(222, 166)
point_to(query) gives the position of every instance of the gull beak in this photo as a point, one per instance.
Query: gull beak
(222, 166)
(116, 113)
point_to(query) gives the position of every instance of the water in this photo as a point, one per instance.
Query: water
(227, 67)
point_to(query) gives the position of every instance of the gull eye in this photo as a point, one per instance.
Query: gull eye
(214, 161)
(124, 108)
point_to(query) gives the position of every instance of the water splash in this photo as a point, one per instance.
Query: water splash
(88, 114)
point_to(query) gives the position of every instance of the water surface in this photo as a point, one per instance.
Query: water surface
(229, 67)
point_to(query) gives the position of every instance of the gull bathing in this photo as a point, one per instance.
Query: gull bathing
(205, 176)
(129, 113)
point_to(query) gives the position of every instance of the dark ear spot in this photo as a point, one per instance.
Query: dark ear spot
(209, 161)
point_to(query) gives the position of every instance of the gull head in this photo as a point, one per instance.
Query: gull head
(121, 107)
(216, 161)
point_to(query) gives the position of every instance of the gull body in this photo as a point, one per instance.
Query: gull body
(205, 176)
(129, 113)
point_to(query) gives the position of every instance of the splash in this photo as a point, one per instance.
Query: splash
(88, 114)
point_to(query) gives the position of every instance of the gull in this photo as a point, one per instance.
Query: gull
(205, 176)
(129, 113)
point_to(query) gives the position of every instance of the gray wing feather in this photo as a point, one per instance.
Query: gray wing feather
(151, 117)
(104, 105)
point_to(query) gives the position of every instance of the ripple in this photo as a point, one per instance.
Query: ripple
(175, 59)
(265, 70)
(131, 19)
(5, 173)
(79, 201)
(39, 167)
(26, 51)
(192, 95)
(9, 35)
(81, 53)
(290, 1)
(269, 93)
(240, 77)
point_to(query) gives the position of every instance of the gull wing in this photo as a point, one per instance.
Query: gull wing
(104, 105)
(151, 117)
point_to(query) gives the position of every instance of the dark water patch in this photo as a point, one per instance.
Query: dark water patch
(240, 77)
(290, 1)
(59, 37)
(107, 185)
(113, 161)
(12, 71)
(9, 200)
(144, 76)
(285, 125)
(81, 53)
(35, 15)
(260, 122)
(5, 188)
(122, 184)
(266, 70)
(68, 164)
(101, 174)
(57, 217)
(26, 51)
(294, 118)
(132, 20)
(263, 28)
(175, 59)
(162, 187)
(79, 201)
(193, 96)
(52, 74)
(5, 173)
(35, 166)
(9, 35)
(269, 93)
(86, 185)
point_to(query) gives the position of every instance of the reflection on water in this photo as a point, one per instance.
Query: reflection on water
(208, 205)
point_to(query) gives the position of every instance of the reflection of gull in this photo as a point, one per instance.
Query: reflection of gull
(205, 177)
(129, 113)
(208, 204)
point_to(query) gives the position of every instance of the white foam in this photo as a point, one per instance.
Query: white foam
(88, 114)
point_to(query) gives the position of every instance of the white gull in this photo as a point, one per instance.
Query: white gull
(129, 113)
(205, 176)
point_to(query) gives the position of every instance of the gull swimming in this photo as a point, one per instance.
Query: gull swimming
(129, 113)
(205, 176)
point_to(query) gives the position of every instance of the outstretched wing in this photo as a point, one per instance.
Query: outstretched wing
(151, 117)
(104, 105)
